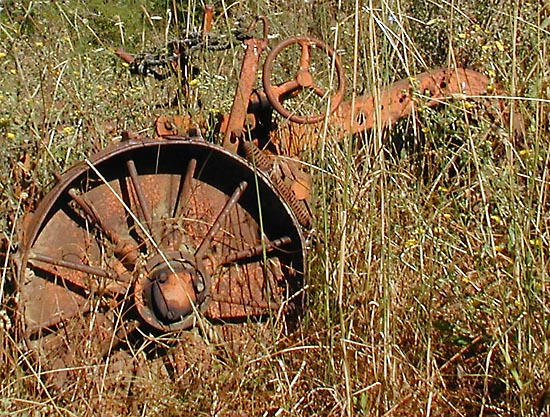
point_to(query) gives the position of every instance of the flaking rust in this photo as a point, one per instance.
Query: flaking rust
(159, 234)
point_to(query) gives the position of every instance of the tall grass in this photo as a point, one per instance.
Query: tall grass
(427, 288)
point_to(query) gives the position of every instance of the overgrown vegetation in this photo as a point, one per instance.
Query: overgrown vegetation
(428, 287)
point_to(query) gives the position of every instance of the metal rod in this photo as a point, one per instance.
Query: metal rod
(124, 251)
(217, 223)
(143, 203)
(263, 305)
(185, 190)
(256, 250)
(69, 264)
(92, 213)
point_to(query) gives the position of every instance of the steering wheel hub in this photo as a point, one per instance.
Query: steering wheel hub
(315, 90)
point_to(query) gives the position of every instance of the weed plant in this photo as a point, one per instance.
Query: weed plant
(428, 271)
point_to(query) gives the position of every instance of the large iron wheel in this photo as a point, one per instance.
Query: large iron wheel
(145, 240)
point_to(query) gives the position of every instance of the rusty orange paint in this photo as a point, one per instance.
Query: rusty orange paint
(398, 100)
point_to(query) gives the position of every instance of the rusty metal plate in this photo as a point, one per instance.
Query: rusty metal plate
(153, 237)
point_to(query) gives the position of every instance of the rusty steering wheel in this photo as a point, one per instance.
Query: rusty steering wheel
(303, 79)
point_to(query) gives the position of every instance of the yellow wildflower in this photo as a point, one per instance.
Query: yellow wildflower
(10, 135)
(536, 242)
(68, 130)
(39, 44)
(194, 82)
(462, 36)
(410, 242)
(524, 152)
(496, 219)
(2, 55)
(13, 71)
(499, 46)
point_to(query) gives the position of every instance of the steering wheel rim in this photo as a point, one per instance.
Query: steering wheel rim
(302, 80)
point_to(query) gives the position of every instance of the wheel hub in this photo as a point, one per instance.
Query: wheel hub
(170, 288)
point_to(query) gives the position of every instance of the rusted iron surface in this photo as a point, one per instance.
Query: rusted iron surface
(237, 117)
(158, 235)
(430, 89)
(200, 248)
(207, 19)
(178, 125)
(331, 94)
(125, 56)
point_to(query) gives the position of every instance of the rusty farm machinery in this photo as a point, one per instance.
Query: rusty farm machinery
(157, 235)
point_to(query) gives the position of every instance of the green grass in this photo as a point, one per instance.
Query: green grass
(428, 287)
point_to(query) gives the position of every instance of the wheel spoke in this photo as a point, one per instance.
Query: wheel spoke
(305, 55)
(125, 251)
(142, 200)
(256, 250)
(76, 266)
(88, 208)
(285, 89)
(205, 244)
(320, 91)
(185, 190)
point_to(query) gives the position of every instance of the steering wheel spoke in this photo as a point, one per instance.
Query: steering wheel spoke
(320, 91)
(288, 88)
(305, 91)
(305, 56)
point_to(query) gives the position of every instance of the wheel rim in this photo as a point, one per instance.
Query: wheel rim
(91, 272)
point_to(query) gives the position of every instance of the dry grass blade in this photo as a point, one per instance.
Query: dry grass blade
(428, 278)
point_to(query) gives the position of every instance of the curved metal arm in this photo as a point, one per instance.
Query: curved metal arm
(397, 102)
